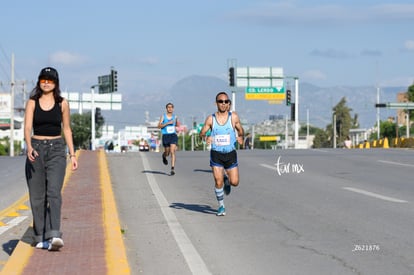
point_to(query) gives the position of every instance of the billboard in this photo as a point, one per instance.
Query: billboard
(110, 101)
(5, 105)
(262, 83)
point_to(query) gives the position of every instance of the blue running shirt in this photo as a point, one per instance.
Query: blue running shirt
(224, 136)
(169, 129)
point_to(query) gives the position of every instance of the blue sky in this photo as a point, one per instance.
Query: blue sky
(153, 44)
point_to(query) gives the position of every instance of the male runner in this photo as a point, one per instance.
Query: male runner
(223, 155)
(167, 124)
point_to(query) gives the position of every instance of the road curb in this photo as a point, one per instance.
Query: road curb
(116, 258)
(23, 251)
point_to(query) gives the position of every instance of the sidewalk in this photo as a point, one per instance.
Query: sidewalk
(90, 226)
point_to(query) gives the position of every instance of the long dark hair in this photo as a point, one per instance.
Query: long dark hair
(36, 93)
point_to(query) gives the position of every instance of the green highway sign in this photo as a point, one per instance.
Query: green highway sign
(264, 90)
(265, 93)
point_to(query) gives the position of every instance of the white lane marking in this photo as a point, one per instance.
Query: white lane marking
(193, 259)
(269, 166)
(375, 195)
(356, 190)
(396, 163)
(12, 224)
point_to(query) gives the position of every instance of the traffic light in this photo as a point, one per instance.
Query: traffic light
(114, 80)
(288, 97)
(231, 77)
(292, 112)
(380, 105)
(98, 114)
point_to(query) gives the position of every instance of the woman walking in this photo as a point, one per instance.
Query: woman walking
(47, 117)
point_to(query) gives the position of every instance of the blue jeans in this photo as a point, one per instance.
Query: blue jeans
(45, 178)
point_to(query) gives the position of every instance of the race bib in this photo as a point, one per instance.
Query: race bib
(222, 140)
(170, 129)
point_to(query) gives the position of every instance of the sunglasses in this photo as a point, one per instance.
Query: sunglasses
(43, 81)
(223, 101)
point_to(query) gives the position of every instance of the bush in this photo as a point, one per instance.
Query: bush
(3, 151)
(407, 143)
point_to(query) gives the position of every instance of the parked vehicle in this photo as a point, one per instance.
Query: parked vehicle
(143, 145)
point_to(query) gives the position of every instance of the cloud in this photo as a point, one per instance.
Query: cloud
(313, 75)
(66, 58)
(330, 53)
(282, 14)
(149, 60)
(409, 45)
(368, 52)
(398, 81)
(391, 12)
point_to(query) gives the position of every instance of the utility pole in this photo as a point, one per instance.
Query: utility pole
(296, 112)
(12, 109)
(334, 130)
(307, 128)
(232, 65)
(378, 102)
(286, 132)
(93, 116)
(407, 121)
(378, 115)
(296, 109)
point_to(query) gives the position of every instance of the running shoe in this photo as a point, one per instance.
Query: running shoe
(227, 186)
(42, 245)
(221, 211)
(55, 244)
(164, 159)
(172, 172)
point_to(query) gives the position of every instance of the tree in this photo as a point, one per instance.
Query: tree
(303, 130)
(3, 150)
(410, 95)
(321, 139)
(99, 122)
(81, 130)
(343, 120)
(5, 147)
(388, 129)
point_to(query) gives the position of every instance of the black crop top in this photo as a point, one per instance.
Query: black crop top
(47, 123)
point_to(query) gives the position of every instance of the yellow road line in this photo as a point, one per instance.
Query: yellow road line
(116, 259)
(15, 206)
(23, 251)
(115, 252)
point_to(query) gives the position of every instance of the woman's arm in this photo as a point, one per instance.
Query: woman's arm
(67, 131)
(28, 127)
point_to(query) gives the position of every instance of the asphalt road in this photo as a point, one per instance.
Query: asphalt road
(12, 179)
(331, 211)
(12, 188)
(316, 212)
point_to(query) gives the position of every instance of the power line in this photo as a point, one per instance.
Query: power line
(5, 70)
(7, 60)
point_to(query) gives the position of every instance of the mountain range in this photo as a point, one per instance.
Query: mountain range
(194, 99)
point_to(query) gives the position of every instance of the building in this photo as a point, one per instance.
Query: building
(5, 122)
(401, 113)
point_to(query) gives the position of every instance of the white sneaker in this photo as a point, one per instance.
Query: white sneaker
(55, 244)
(42, 245)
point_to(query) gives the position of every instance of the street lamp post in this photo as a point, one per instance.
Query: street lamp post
(296, 112)
(378, 115)
(93, 116)
(296, 125)
(12, 109)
